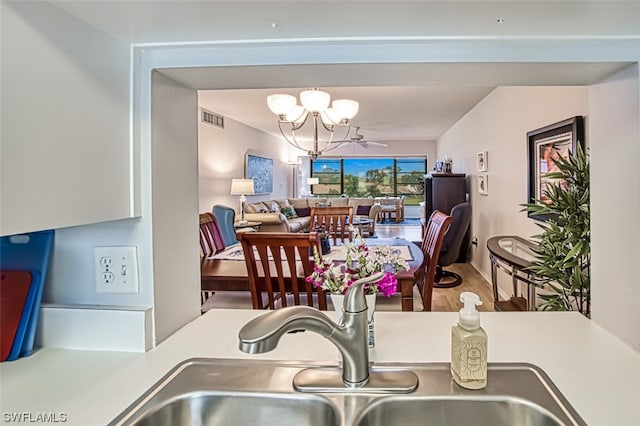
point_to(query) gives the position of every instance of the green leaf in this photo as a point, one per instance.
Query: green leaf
(564, 245)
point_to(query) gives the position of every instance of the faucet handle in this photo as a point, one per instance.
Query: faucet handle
(354, 300)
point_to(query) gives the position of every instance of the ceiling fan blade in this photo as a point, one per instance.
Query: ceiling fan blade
(377, 143)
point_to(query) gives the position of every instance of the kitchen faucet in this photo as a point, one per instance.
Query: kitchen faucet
(263, 333)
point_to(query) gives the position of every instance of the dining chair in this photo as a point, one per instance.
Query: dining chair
(335, 221)
(435, 230)
(211, 239)
(277, 265)
(211, 242)
(226, 218)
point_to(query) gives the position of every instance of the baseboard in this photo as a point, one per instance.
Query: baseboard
(93, 327)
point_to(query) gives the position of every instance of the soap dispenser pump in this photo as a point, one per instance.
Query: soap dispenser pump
(469, 346)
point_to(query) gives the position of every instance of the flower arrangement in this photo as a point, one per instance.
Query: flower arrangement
(362, 260)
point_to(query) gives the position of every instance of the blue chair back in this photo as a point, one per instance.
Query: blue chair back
(226, 217)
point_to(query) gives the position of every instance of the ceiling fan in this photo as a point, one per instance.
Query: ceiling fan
(358, 138)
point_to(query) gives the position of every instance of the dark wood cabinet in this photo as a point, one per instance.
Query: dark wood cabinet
(443, 191)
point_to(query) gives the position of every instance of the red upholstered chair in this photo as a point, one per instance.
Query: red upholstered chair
(211, 242)
(435, 229)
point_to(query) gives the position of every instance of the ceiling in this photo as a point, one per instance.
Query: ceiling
(397, 101)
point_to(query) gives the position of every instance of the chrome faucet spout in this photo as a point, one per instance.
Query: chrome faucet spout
(262, 334)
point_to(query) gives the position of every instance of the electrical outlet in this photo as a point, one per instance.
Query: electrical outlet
(116, 270)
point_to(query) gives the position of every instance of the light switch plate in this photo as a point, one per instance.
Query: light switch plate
(116, 269)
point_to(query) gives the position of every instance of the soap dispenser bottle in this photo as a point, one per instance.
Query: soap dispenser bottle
(469, 346)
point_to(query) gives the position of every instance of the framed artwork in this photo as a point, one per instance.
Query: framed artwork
(483, 184)
(481, 160)
(546, 144)
(260, 169)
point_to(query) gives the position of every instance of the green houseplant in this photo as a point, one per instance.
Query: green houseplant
(564, 246)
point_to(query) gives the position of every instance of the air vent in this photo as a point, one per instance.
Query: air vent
(211, 118)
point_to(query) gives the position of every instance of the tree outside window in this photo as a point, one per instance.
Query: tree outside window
(370, 177)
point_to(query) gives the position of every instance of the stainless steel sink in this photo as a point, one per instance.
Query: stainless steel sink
(478, 411)
(242, 409)
(230, 392)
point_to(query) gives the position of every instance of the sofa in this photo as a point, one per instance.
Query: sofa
(292, 214)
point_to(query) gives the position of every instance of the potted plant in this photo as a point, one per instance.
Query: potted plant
(564, 246)
(361, 261)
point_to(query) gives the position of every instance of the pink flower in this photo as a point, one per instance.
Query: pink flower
(388, 285)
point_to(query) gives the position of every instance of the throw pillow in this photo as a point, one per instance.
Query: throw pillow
(275, 208)
(283, 203)
(363, 210)
(303, 211)
(253, 208)
(289, 212)
(262, 208)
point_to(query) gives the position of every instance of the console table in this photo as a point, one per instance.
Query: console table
(513, 254)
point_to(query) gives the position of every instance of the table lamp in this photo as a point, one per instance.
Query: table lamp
(312, 181)
(242, 187)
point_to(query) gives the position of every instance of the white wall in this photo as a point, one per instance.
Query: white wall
(614, 109)
(499, 124)
(221, 157)
(174, 177)
(66, 156)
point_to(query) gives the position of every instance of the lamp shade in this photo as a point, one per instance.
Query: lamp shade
(281, 104)
(346, 108)
(296, 115)
(314, 100)
(242, 187)
(330, 117)
(313, 181)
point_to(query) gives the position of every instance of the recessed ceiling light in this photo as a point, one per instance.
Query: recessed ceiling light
(500, 20)
(274, 25)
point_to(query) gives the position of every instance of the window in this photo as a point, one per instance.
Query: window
(370, 177)
(410, 177)
(329, 174)
(364, 177)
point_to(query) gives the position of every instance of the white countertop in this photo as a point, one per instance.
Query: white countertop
(599, 375)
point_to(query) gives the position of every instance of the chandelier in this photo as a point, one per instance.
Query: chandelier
(315, 104)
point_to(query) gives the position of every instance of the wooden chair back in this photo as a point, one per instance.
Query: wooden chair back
(277, 264)
(335, 221)
(432, 239)
(211, 241)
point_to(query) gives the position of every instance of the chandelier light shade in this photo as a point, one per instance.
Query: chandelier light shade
(314, 103)
(281, 104)
(315, 100)
(242, 187)
(345, 108)
(312, 181)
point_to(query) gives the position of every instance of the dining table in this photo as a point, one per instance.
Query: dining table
(225, 274)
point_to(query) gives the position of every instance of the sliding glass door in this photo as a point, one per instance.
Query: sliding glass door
(370, 177)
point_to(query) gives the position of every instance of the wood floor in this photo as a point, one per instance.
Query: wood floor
(445, 299)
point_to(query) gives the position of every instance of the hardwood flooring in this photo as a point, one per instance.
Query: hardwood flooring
(446, 299)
